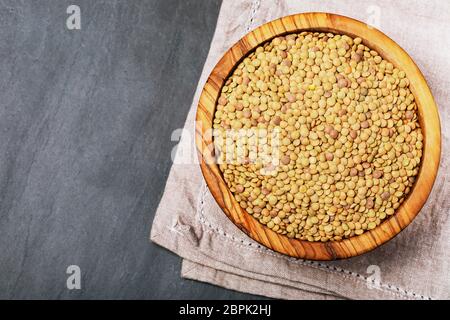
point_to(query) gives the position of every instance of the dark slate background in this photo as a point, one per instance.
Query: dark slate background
(85, 124)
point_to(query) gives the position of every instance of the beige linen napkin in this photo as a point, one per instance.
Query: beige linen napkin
(414, 265)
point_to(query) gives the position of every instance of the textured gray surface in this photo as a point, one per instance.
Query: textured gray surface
(85, 124)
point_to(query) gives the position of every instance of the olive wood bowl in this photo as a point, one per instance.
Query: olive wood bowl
(428, 118)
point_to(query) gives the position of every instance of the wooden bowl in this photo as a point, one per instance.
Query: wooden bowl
(428, 118)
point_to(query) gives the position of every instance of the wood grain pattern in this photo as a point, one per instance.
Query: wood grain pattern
(428, 118)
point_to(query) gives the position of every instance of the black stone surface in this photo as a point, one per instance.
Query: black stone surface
(85, 123)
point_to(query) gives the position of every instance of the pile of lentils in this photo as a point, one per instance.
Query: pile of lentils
(350, 143)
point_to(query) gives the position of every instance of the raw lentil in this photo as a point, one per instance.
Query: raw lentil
(348, 140)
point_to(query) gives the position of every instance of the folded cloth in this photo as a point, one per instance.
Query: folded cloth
(414, 265)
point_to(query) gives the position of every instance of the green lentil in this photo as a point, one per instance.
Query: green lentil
(341, 124)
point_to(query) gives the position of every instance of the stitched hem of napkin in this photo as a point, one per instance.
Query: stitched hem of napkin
(254, 10)
(247, 245)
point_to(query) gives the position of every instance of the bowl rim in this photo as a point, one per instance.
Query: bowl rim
(428, 118)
